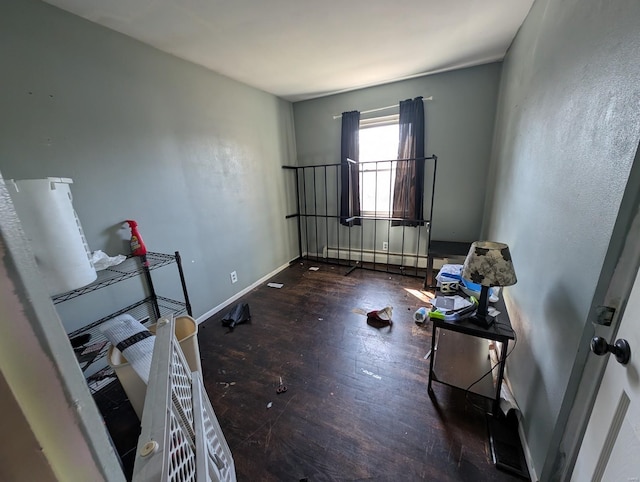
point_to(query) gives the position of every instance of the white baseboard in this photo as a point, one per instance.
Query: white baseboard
(238, 295)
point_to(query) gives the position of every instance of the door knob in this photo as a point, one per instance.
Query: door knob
(620, 349)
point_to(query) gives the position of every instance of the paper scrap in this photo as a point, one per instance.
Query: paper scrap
(314, 268)
(367, 372)
(270, 404)
(275, 285)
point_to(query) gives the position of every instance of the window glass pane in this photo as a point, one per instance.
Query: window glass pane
(377, 144)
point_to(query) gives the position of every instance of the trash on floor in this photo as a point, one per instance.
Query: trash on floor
(371, 374)
(238, 314)
(275, 285)
(270, 404)
(281, 387)
(314, 268)
(420, 315)
(380, 317)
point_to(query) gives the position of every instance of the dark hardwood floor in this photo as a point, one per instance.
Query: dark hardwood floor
(356, 407)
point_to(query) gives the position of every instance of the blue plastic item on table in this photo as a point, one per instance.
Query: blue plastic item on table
(474, 288)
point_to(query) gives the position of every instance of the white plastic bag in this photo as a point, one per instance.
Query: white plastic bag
(102, 261)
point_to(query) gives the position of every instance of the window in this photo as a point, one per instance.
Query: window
(378, 142)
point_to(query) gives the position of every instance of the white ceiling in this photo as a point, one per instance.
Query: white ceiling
(300, 49)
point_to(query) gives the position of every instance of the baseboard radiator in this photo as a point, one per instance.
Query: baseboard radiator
(380, 257)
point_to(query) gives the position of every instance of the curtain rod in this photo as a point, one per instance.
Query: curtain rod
(381, 108)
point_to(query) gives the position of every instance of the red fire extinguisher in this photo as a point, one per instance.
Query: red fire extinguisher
(137, 244)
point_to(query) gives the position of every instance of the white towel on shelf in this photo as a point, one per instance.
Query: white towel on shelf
(134, 341)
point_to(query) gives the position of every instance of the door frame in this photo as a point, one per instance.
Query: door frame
(619, 269)
(64, 409)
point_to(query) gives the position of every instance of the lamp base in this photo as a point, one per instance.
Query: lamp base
(482, 318)
(483, 321)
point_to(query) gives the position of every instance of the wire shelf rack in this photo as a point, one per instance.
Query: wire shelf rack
(143, 311)
(129, 268)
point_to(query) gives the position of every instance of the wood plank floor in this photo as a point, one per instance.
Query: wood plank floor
(357, 406)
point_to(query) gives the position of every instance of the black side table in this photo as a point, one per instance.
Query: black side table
(463, 354)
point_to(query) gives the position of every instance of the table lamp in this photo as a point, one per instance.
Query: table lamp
(488, 264)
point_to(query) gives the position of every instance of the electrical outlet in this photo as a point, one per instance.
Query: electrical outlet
(234, 277)
(385, 246)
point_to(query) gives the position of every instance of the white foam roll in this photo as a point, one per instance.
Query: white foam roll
(137, 342)
(53, 229)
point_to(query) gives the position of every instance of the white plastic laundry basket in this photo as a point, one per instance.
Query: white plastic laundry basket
(53, 229)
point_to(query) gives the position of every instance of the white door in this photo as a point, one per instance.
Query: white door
(610, 449)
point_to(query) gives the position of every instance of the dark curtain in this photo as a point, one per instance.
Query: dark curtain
(350, 175)
(408, 188)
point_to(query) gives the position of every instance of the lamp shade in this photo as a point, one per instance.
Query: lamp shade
(489, 264)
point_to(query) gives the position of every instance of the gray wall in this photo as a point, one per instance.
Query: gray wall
(567, 130)
(193, 156)
(459, 129)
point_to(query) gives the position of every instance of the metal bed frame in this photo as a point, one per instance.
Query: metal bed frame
(322, 237)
